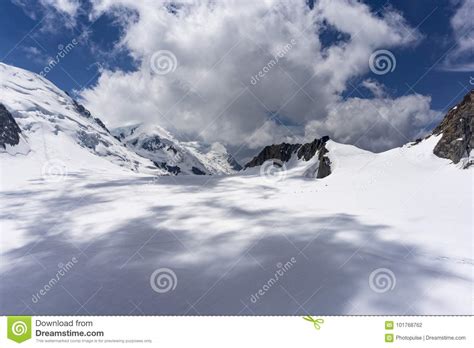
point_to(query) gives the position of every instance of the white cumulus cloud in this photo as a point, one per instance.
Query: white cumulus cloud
(251, 72)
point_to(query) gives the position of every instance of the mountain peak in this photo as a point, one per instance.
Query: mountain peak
(177, 157)
(47, 120)
(57, 129)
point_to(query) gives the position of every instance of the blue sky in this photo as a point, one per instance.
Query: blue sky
(20, 33)
(32, 31)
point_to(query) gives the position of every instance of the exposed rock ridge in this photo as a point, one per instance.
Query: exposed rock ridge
(86, 113)
(284, 152)
(308, 150)
(457, 129)
(9, 129)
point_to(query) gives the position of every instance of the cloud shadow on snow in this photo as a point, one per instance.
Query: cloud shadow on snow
(217, 272)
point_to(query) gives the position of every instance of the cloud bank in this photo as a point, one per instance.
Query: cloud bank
(256, 72)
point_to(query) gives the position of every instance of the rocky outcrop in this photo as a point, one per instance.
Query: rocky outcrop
(175, 170)
(81, 109)
(197, 171)
(457, 129)
(308, 150)
(86, 113)
(9, 129)
(284, 152)
(324, 168)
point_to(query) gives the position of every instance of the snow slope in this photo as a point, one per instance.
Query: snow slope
(58, 134)
(226, 237)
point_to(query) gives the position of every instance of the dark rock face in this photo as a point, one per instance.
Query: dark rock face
(197, 171)
(175, 170)
(9, 130)
(152, 144)
(457, 129)
(101, 124)
(284, 151)
(324, 168)
(308, 150)
(81, 109)
(86, 113)
(281, 152)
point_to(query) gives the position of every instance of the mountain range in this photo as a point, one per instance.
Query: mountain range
(40, 121)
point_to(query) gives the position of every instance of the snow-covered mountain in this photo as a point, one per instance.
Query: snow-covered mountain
(43, 123)
(453, 140)
(215, 157)
(174, 156)
(54, 132)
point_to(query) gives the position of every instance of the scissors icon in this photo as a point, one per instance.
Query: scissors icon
(316, 322)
